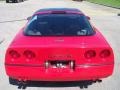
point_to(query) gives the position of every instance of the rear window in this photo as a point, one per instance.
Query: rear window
(59, 25)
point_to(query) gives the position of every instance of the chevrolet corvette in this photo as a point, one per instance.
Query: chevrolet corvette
(59, 44)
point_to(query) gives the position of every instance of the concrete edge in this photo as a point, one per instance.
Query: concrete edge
(104, 5)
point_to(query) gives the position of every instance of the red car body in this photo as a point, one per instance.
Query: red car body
(27, 57)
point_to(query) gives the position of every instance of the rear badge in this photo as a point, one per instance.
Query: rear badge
(59, 40)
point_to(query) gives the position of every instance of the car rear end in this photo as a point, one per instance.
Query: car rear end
(65, 64)
(59, 57)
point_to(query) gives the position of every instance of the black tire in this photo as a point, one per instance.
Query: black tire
(17, 1)
(7, 1)
(13, 1)
(13, 81)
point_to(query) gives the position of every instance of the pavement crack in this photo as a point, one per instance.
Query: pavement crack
(2, 41)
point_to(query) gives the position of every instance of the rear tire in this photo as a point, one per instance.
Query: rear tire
(13, 1)
(13, 81)
(7, 1)
(17, 1)
(21, 0)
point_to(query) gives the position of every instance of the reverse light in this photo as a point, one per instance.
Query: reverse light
(29, 54)
(90, 54)
(105, 53)
(14, 54)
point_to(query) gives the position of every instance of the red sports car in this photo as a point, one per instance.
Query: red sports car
(59, 44)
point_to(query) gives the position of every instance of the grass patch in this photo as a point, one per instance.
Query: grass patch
(113, 3)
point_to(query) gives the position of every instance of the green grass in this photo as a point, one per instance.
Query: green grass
(113, 3)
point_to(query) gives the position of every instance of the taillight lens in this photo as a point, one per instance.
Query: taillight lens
(29, 54)
(105, 53)
(14, 54)
(90, 54)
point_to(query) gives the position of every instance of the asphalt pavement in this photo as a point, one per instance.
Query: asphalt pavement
(13, 18)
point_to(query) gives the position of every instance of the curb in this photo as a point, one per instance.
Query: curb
(104, 5)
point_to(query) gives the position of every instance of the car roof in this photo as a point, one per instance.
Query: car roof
(59, 9)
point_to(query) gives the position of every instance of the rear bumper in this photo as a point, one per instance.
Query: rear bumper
(39, 73)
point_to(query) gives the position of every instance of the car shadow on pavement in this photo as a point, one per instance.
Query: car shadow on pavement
(81, 84)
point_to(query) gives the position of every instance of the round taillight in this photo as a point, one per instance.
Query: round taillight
(90, 54)
(29, 54)
(105, 53)
(14, 54)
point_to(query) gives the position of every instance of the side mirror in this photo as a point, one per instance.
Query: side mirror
(88, 17)
(28, 18)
